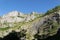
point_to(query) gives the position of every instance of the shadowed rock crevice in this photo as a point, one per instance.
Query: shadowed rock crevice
(11, 36)
(17, 36)
(54, 37)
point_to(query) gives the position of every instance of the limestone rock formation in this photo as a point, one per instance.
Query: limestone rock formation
(30, 26)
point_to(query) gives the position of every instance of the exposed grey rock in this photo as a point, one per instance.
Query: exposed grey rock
(41, 26)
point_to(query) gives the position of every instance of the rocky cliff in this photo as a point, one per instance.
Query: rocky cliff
(30, 26)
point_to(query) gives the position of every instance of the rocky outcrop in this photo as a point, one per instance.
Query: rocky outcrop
(30, 26)
(46, 26)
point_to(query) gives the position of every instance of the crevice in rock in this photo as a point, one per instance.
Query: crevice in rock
(11, 36)
(17, 36)
(54, 37)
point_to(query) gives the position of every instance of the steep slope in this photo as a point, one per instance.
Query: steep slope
(9, 24)
(46, 26)
(33, 25)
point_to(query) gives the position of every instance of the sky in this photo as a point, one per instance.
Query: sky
(27, 6)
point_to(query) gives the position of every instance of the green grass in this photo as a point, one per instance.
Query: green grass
(3, 29)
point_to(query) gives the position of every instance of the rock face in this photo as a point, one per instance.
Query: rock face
(14, 16)
(15, 21)
(30, 26)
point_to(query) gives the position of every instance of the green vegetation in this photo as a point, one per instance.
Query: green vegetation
(57, 8)
(3, 29)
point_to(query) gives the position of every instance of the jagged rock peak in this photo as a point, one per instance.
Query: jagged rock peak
(13, 13)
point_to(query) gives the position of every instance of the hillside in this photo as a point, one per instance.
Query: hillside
(31, 26)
